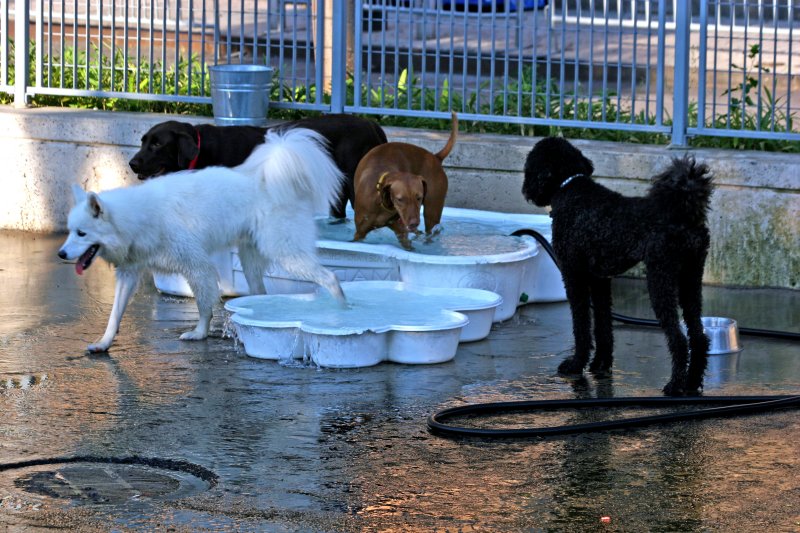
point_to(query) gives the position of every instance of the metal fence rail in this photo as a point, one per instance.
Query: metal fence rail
(527, 67)
(680, 68)
(748, 72)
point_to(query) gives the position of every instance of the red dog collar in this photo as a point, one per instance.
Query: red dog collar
(193, 162)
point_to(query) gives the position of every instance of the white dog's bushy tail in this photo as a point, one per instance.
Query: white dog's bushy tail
(295, 163)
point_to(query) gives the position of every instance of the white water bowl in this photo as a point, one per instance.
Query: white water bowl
(381, 322)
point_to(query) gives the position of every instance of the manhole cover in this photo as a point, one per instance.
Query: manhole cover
(108, 481)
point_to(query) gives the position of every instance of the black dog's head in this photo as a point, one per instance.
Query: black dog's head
(551, 161)
(166, 147)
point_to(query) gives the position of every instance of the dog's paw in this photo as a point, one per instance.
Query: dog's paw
(600, 367)
(571, 366)
(193, 335)
(695, 385)
(337, 293)
(679, 389)
(672, 389)
(430, 236)
(98, 347)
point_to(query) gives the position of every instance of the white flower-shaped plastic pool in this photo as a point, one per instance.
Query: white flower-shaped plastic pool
(382, 321)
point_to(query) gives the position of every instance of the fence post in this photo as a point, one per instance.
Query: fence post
(21, 47)
(339, 59)
(680, 94)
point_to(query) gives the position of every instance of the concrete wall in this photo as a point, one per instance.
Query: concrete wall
(755, 219)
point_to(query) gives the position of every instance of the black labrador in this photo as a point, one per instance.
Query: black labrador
(172, 146)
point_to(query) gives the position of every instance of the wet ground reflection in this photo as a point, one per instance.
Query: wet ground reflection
(302, 449)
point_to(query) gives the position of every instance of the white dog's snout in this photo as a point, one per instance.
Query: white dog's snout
(69, 250)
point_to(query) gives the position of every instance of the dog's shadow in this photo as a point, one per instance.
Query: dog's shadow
(582, 387)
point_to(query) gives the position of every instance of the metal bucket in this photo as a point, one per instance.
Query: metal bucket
(240, 94)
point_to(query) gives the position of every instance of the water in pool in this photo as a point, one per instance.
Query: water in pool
(454, 238)
(366, 310)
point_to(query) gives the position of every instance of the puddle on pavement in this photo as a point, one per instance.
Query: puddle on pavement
(298, 448)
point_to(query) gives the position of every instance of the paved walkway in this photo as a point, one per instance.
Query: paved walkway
(225, 442)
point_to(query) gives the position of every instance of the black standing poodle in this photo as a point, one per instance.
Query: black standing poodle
(598, 234)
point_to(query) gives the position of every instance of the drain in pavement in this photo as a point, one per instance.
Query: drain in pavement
(21, 381)
(92, 480)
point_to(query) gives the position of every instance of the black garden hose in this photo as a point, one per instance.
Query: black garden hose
(726, 405)
(634, 321)
(729, 406)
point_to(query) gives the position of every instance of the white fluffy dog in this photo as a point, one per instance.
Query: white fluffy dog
(173, 224)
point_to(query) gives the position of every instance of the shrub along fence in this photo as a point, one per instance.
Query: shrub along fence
(700, 72)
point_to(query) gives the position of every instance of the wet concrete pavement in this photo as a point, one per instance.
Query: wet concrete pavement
(263, 446)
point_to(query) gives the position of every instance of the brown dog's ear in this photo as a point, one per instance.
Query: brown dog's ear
(187, 149)
(386, 196)
(424, 190)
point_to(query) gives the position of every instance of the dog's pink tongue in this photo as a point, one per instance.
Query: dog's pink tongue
(81, 261)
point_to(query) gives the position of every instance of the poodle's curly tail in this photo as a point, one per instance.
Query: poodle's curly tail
(295, 165)
(684, 189)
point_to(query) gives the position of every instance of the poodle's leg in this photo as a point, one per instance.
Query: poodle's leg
(662, 286)
(578, 296)
(202, 279)
(603, 333)
(690, 296)
(253, 265)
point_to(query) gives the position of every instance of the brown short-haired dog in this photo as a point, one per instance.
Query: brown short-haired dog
(393, 181)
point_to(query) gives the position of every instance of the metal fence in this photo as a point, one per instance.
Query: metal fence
(676, 67)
